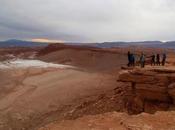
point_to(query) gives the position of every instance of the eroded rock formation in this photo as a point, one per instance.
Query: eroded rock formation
(148, 90)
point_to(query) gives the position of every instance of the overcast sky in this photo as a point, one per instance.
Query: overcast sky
(88, 20)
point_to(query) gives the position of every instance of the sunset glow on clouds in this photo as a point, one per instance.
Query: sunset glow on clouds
(46, 40)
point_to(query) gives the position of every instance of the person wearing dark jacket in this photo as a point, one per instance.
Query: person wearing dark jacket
(129, 59)
(132, 60)
(163, 59)
(153, 62)
(158, 59)
(142, 60)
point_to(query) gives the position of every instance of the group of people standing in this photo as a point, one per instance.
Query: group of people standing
(155, 59)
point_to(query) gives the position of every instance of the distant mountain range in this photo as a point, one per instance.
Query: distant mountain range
(156, 44)
(21, 43)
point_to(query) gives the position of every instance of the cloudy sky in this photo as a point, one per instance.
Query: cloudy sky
(87, 20)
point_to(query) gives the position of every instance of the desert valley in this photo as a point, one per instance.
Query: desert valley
(74, 87)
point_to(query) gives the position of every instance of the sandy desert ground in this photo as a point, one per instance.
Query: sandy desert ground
(117, 121)
(33, 96)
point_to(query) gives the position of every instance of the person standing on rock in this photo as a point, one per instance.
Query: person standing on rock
(132, 60)
(158, 59)
(163, 59)
(153, 61)
(129, 59)
(142, 60)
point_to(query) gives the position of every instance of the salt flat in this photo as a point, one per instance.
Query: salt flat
(25, 63)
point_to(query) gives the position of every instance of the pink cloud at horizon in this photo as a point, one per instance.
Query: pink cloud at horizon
(47, 40)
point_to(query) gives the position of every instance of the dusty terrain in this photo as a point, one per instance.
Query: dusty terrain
(32, 97)
(34, 94)
(118, 121)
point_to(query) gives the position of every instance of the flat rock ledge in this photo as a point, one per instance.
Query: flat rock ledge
(148, 90)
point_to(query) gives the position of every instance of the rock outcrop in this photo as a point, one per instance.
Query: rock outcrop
(148, 90)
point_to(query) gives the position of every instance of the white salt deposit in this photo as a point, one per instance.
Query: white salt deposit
(22, 63)
(3, 66)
